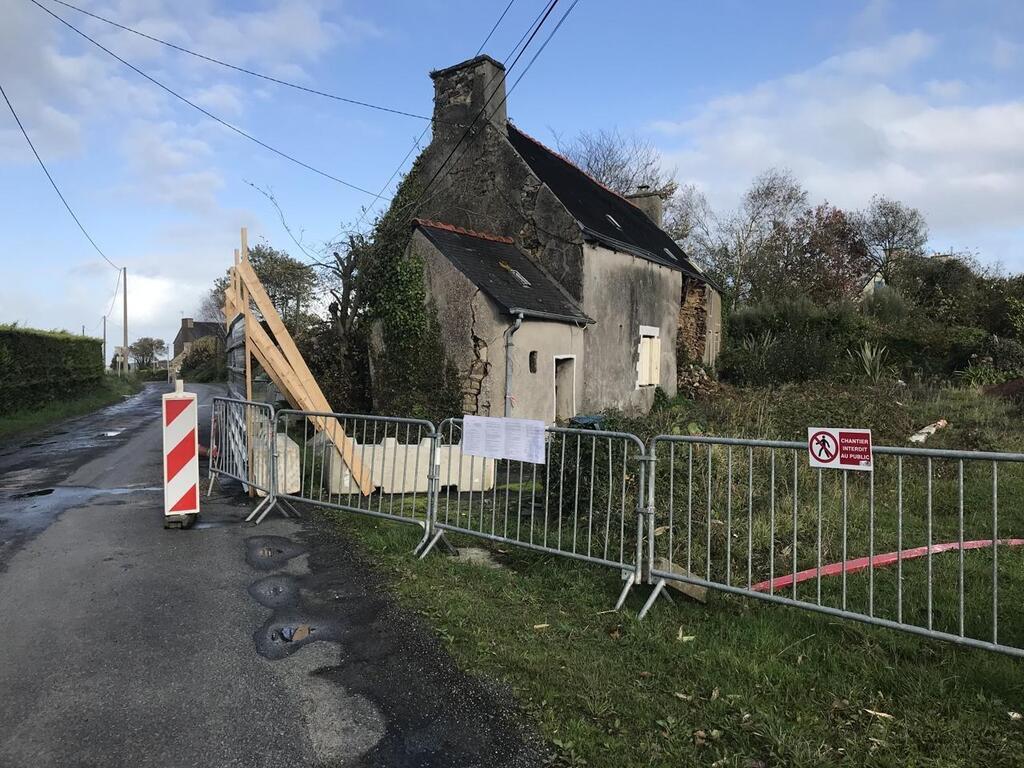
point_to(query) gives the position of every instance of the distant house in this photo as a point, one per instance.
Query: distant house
(191, 331)
(555, 295)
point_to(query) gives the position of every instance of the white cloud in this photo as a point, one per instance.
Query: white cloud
(945, 89)
(1006, 54)
(223, 100)
(848, 134)
(895, 54)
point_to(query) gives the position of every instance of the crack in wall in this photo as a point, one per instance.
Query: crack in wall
(479, 368)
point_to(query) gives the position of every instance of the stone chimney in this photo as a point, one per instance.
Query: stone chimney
(648, 201)
(186, 322)
(461, 91)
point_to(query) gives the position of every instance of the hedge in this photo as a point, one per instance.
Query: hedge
(40, 367)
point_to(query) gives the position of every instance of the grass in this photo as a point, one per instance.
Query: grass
(738, 682)
(110, 391)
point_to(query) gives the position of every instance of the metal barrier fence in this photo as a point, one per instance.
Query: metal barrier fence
(585, 502)
(242, 448)
(396, 456)
(913, 545)
(920, 544)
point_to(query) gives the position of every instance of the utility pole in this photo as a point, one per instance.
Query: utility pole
(83, 330)
(105, 358)
(124, 350)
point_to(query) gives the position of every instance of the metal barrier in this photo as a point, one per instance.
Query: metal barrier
(242, 448)
(397, 454)
(920, 544)
(585, 502)
(914, 545)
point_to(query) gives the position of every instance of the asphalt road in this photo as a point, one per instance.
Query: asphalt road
(124, 644)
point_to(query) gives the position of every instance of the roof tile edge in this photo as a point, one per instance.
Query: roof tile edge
(460, 231)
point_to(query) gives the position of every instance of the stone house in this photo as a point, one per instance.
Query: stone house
(555, 295)
(191, 331)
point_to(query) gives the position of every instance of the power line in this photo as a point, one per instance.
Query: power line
(532, 24)
(198, 108)
(54, 183)
(510, 3)
(114, 297)
(243, 70)
(416, 141)
(483, 109)
(539, 51)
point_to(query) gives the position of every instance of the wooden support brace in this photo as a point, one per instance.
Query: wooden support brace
(284, 363)
(294, 389)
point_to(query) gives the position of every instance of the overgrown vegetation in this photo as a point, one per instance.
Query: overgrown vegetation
(110, 390)
(204, 362)
(942, 317)
(38, 368)
(735, 682)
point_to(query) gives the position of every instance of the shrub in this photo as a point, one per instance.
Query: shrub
(886, 305)
(204, 361)
(871, 359)
(39, 367)
(1007, 354)
(788, 341)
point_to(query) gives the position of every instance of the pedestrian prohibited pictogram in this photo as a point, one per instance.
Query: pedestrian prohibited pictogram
(839, 448)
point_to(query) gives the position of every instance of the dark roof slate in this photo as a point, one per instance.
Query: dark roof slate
(491, 262)
(591, 204)
(198, 330)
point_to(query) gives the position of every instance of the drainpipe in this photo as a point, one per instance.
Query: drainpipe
(509, 344)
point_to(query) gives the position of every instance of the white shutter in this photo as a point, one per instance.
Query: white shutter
(654, 369)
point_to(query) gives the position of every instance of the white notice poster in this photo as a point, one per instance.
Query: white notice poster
(499, 438)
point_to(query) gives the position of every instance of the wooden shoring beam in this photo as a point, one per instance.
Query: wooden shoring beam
(297, 364)
(295, 390)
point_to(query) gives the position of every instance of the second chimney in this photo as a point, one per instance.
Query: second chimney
(648, 201)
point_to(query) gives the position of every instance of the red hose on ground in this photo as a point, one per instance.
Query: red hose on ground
(861, 563)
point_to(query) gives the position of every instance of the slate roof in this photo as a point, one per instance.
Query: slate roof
(198, 330)
(492, 262)
(602, 214)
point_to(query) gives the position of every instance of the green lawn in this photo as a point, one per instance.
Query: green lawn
(110, 391)
(738, 682)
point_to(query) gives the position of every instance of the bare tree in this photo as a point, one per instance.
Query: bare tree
(891, 230)
(211, 306)
(620, 162)
(730, 246)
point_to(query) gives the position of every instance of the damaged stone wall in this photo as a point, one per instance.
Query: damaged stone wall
(471, 330)
(700, 323)
(485, 185)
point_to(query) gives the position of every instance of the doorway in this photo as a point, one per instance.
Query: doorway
(565, 387)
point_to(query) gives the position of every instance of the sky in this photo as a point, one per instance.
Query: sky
(919, 101)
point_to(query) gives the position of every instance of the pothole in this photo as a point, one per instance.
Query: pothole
(275, 591)
(32, 494)
(268, 553)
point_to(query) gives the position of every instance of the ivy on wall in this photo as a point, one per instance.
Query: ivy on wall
(411, 373)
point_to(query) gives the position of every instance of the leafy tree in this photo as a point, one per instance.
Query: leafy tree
(289, 282)
(146, 351)
(892, 230)
(291, 285)
(819, 254)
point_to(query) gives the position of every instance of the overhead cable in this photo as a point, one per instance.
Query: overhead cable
(198, 108)
(54, 183)
(243, 70)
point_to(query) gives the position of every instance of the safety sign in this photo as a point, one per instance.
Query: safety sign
(839, 448)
